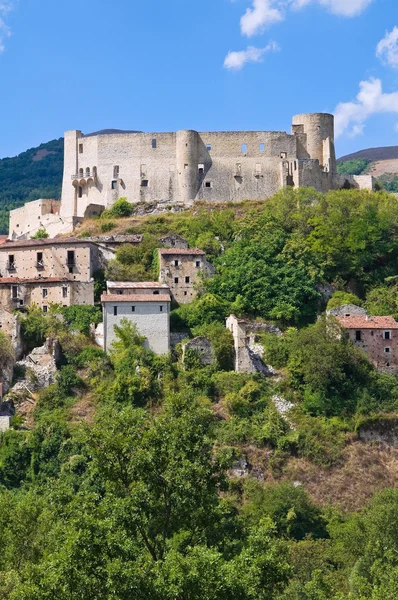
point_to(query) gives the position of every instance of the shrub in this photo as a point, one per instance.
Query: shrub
(121, 208)
(107, 226)
(40, 234)
(80, 317)
(340, 298)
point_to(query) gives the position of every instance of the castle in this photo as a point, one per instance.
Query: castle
(185, 166)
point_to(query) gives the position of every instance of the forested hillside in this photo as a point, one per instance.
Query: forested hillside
(34, 174)
(153, 478)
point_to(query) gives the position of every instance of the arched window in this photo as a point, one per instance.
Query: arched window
(88, 172)
(81, 172)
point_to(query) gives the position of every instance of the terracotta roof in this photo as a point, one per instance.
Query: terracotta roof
(3, 239)
(10, 244)
(368, 322)
(16, 280)
(136, 285)
(187, 251)
(133, 298)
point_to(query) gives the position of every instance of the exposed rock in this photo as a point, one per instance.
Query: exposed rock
(40, 367)
(5, 423)
(282, 406)
(240, 468)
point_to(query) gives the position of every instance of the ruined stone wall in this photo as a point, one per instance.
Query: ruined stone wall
(39, 214)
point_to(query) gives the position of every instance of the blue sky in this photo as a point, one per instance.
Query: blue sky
(164, 65)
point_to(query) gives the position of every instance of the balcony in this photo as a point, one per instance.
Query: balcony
(84, 175)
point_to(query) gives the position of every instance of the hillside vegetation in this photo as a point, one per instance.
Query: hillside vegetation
(34, 174)
(138, 476)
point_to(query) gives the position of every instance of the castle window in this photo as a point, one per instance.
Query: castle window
(45, 292)
(64, 292)
(81, 172)
(80, 192)
(154, 143)
(88, 172)
(201, 168)
(175, 279)
(187, 279)
(144, 183)
(262, 147)
(208, 147)
(114, 184)
(244, 148)
(133, 309)
(115, 311)
(80, 148)
(208, 184)
(358, 336)
(197, 264)
(116, 172)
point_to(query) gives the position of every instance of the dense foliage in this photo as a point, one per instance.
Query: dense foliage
(353, 167)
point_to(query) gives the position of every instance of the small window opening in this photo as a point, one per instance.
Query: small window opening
(114, 185)
(156, 292)
(283, 154)
(45, 292)
(186, 166)
(175, 279)
(80, 192)
(116, 172)
(387, 350)
(14, 292)
(176, 263)
(144, 183)
(133, 309)
(388, 364)
(262, 147)
(115, 311)
(197, 264)
(80, 148)
(161, 308)
(45, 308)
(208, 184)
(347, 315)
(11, 262)
(208, 147)
(187, 279)
(88, 172)
(64, 292)
(185, 293)
(387, 335)
(81, 172)
(358, 336)
(201, 168)
(154, 143)
(244, 148)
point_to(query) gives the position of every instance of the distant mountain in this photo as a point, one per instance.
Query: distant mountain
(373, 154)
(36, 173)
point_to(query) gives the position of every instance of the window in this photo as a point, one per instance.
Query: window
(156, 292)
(116, 172)
(64, 292)
(244, 148)
(283, 154)
(208, 147)
(197, 264)
(186, 166)
(81, 173)
(45, 308)
(387, 335)
(187, 279)
(144, 183)
(114, 184)
(88, 172)
(133, 309)
(387, 350)
(185, 293)
(154, 143)
(80, 148)
(161, 308)
(208, 184)
(11, 263)
(358, 336)
(70, 258)
(14, 292)
(176, 263)
(80, 192)
(45, 292)
(201, 168)
(39, 258)
(347, 315)
(262, 147)
(175, 279)
(114, 311)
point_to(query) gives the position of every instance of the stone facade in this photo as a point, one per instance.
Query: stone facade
(347, 310)
(202, 347)
(186, 166)
(39, 214)
(146, 304)
(47, 271)
(181, 269)
(173, 241)
(377, 336)
(248, 353)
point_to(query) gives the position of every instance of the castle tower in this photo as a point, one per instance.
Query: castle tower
(69, 190)
(319, 129)
(187, 164)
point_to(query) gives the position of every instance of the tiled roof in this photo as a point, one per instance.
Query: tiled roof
(187, 251)
(10, 245)
(136, 285)
(368, 322)
(133, 298)
(20, 280)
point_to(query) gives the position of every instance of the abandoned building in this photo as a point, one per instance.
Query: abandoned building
(146, 305)
(47, 271)
(347, 310)
(377, 336)
(248, 351)
(181, 269)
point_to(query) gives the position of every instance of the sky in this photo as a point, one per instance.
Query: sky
(209, 65)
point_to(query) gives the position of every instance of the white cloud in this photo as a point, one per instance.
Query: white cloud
(387, 48)
(6, 6)
(237, 60)
(346, 8)
(350, 117)
(263, 14)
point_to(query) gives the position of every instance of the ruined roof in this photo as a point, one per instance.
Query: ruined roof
(16, 280)
(368, 322)
(115, 239)
(133, 298)
(187, 251)
(136, 284)
(10, 245)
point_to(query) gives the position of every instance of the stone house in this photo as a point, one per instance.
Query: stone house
(46, 271)
(146, 304)
(181, 269)
(377, 336)
(347, 310)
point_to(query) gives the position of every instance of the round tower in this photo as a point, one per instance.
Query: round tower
(319, 128)
(187, 164)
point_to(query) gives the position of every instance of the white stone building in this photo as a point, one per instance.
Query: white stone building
(146, 304)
